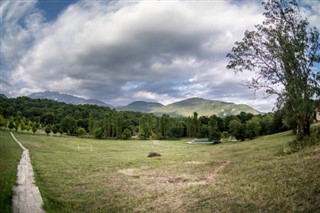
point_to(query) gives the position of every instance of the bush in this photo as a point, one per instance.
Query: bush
(47, 130)
(98, 133)
(126, 134)
(214, 136)
(81, 131)
(301, 142)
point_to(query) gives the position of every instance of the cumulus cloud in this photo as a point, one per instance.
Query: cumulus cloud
(124, 51)
(19, 23)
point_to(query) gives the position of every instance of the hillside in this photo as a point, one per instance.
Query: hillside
(69, 99)
(182, 108)
(141, 106)
(250, 176)
(204, 108)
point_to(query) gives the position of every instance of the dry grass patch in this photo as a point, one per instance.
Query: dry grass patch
(175, 181)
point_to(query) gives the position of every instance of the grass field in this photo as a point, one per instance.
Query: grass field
(10, 154)
(87, 175)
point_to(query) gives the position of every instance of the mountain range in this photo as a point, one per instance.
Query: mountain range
(185, 107)
(69, 99)
(3, 96)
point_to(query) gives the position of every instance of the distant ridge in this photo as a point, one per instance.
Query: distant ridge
(3, 96)
(141, 106)
(204, 108)
(69, 99)
(182, 108)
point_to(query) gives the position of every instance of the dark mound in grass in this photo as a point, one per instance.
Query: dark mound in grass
(153, 154)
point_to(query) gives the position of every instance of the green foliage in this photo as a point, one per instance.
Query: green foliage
(214, 133)
(126, 134)
(240, 132)
(69, 125)
(147, 125)
(23, 126)
(301, 141)
(214, 136)
(68, 118)
(234, 126)
(47, 118)
(98, 133)
(60, 131)
(142, 135)
(81, 131)
(47, 130)
(252, 129)
(175, 132)
(282, 52)
(11, 124)
(34, 127)
(16, 124)
(55, 128)
(3, 121)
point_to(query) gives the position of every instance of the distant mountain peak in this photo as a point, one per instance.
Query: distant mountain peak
(66, 98)
(3, 96)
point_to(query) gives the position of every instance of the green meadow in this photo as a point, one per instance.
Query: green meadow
(88, 175)
(10, 154)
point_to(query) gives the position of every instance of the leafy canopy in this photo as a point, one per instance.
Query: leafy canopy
(282, 53)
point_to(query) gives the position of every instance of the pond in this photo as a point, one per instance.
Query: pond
(203, 141)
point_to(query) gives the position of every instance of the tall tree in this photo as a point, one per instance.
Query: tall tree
(282, 52)
(214, 134)
(146, 124)
(69, 125)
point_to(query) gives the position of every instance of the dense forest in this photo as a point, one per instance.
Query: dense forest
(26, 114)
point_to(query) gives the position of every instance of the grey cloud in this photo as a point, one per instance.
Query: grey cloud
(121, 51)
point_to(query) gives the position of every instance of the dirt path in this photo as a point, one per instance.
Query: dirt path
(26, 195)
(178, 181)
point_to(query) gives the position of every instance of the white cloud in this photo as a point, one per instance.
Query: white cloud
(15, 39)
(146, 95)
(123, 51)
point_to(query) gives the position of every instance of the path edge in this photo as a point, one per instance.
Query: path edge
(15, 200)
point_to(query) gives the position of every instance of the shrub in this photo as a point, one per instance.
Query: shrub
(214, 135)
(301, 142)
(126, 134)
(81, 131)
(98, 133)
(47, 130)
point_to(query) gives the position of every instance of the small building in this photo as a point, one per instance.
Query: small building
(318, 114)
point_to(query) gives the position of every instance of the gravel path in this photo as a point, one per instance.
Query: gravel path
(26, 195)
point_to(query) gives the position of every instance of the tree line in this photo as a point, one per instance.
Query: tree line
(54, 117)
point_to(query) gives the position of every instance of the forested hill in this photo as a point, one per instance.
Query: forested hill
(69, 99)
(204, 108)
(28, 114)
(182, 108)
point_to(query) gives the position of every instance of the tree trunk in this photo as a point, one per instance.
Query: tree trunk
(306, 127)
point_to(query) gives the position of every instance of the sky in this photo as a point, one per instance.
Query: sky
(124, 51)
